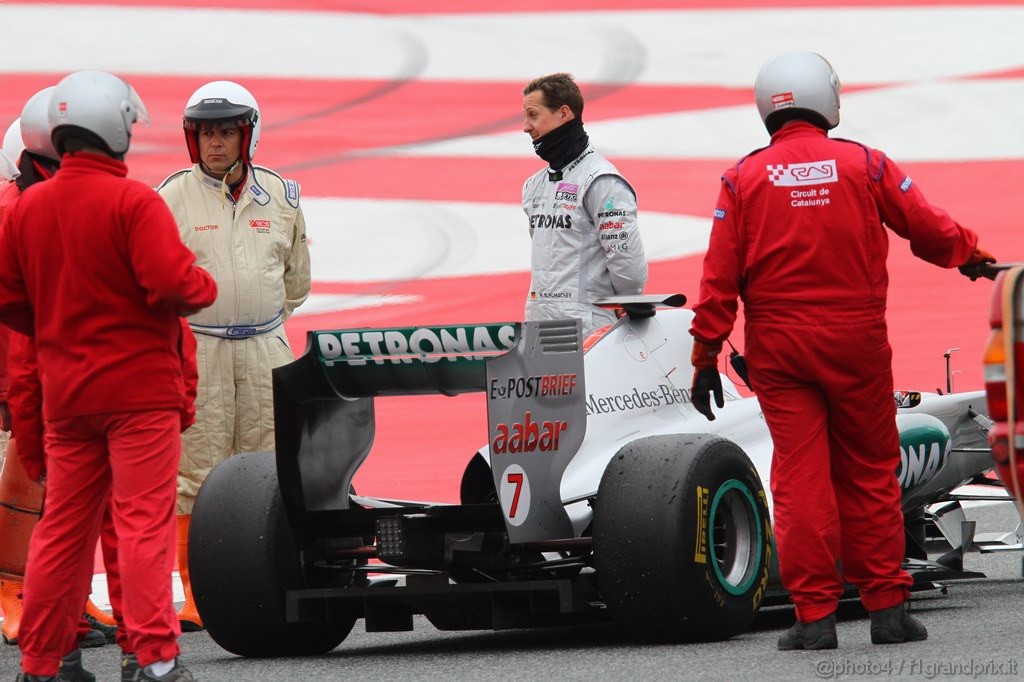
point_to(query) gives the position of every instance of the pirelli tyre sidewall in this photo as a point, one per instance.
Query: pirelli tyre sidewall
(682, 538)
(243, 557)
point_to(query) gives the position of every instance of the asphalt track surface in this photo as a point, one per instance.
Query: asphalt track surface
(977, 623)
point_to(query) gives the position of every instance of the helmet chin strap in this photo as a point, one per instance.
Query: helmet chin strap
(222, 175)
(224, 189)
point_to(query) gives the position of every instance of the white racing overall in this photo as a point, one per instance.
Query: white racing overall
(256, 250)
(586, 244)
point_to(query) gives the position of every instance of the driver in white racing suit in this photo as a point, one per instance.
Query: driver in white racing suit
(583, 214)
(246, 228)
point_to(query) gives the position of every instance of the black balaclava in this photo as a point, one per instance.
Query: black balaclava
(563, 144)
(777, 119)
(34, 168)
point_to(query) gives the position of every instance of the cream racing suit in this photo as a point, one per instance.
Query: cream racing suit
(586, 244)
(255, 247)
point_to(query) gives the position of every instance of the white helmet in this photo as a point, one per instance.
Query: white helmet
(226, 103)
(35, 125)
(98, 106)
(11, 151)
(801, 82)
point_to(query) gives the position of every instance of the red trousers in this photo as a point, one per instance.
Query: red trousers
(826, 394)
(129, 460)
(108, 545)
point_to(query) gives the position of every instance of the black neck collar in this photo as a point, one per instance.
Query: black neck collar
(563, 144)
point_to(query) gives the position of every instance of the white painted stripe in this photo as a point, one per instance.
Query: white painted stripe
(101, 594)
(933, 121)
(331, 303)
(719, 47)
(358, 240)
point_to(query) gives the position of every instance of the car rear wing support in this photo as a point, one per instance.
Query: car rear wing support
(639, 306)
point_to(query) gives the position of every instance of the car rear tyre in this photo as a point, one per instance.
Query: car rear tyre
(682, 538)
(243, 558)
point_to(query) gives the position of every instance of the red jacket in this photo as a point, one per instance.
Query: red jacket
(92, 265)
(8, 193)
(798, 234)
(26, 403)
(190, 373)
(26, 396)
(5, 380)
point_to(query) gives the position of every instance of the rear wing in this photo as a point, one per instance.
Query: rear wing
(533, 375)
(363, 363)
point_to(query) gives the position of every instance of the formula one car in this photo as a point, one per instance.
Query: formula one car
(601, 493)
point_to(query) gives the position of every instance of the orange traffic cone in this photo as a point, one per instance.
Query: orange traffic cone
(99, 614)
(188, 617)
(10, 600)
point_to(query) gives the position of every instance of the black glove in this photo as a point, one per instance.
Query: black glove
(706, 381)
(975, 265)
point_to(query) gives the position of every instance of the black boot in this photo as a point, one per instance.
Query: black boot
(895, 625)
(92, 639)
(818, 634)
(71, 669)
(108, 632)
(129, 666)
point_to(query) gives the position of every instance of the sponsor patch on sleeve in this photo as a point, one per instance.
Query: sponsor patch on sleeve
(907, 182)
(292, 192)
(719, 214)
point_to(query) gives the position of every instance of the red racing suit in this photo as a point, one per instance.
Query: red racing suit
(798, 235)
(103, 299)
(25, 395)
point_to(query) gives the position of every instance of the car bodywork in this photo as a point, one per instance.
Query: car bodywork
(601, 493)
(1004, 377)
